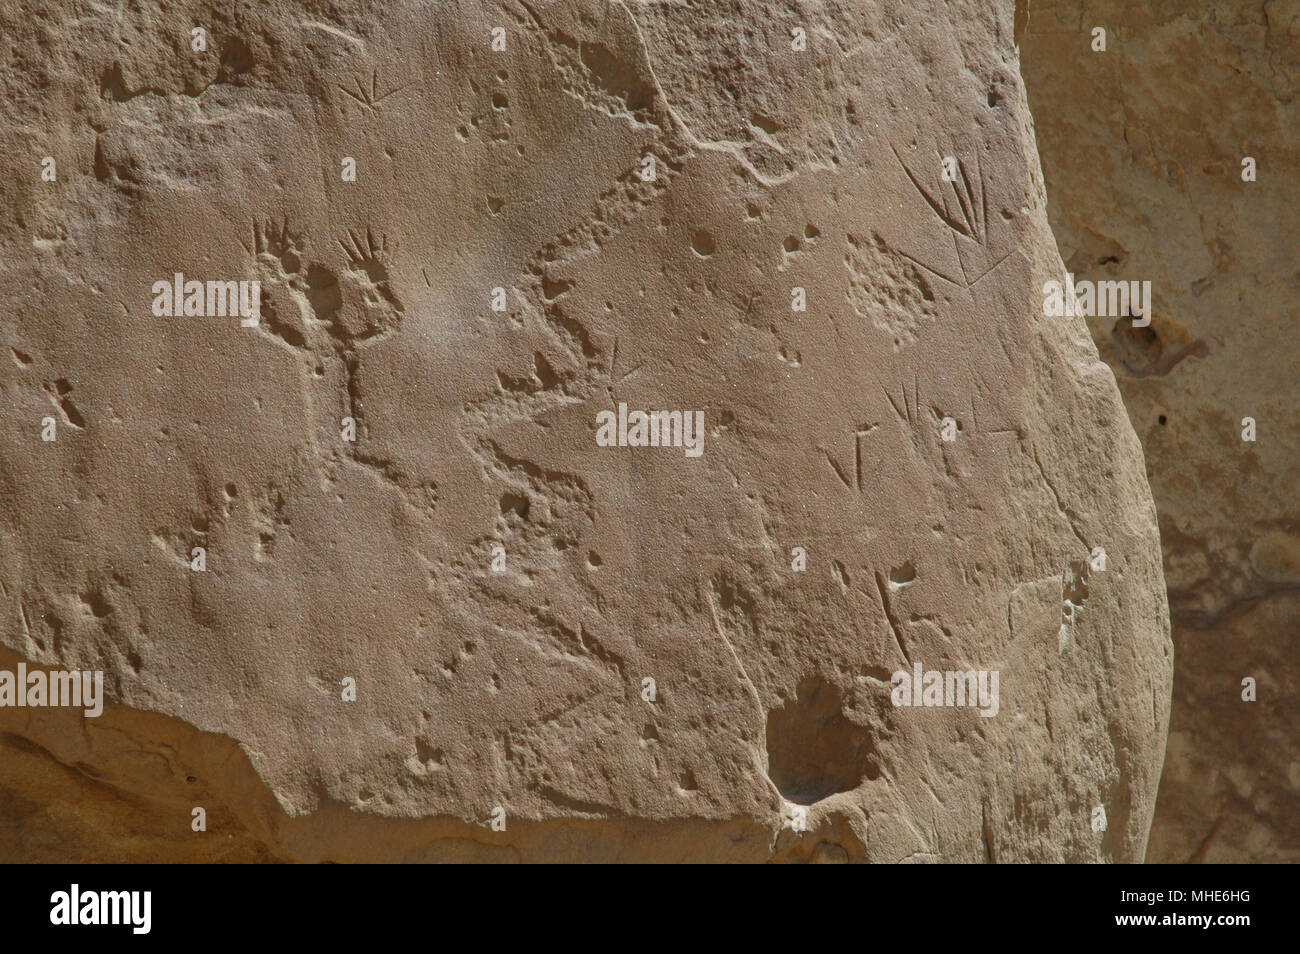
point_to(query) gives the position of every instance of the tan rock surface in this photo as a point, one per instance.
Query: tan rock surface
(1142, 147)
(775, 169)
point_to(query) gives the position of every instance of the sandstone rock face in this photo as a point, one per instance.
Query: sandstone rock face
(610, 652)
(1143, 148)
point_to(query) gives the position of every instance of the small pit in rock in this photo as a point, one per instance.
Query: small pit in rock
(814, 751)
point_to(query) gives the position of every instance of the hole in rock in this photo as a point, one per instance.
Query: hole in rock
(516, 504)
(553, 288)
(1140, 348)
(1075, 587)
(543, 371)
(236, 59)
(98, 606)
(900, 575)
(1156, 348)
(813, 750)
(427, 753)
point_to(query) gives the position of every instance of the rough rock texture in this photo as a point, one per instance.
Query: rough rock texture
(776, 169)
(1142, 147)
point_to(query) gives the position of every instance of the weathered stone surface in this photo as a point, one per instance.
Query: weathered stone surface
(776, 169)
(1142, 147)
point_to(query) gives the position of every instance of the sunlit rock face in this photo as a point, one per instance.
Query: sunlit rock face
(648, 444)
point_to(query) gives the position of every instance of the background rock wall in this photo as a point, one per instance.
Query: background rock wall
(1142, 149)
